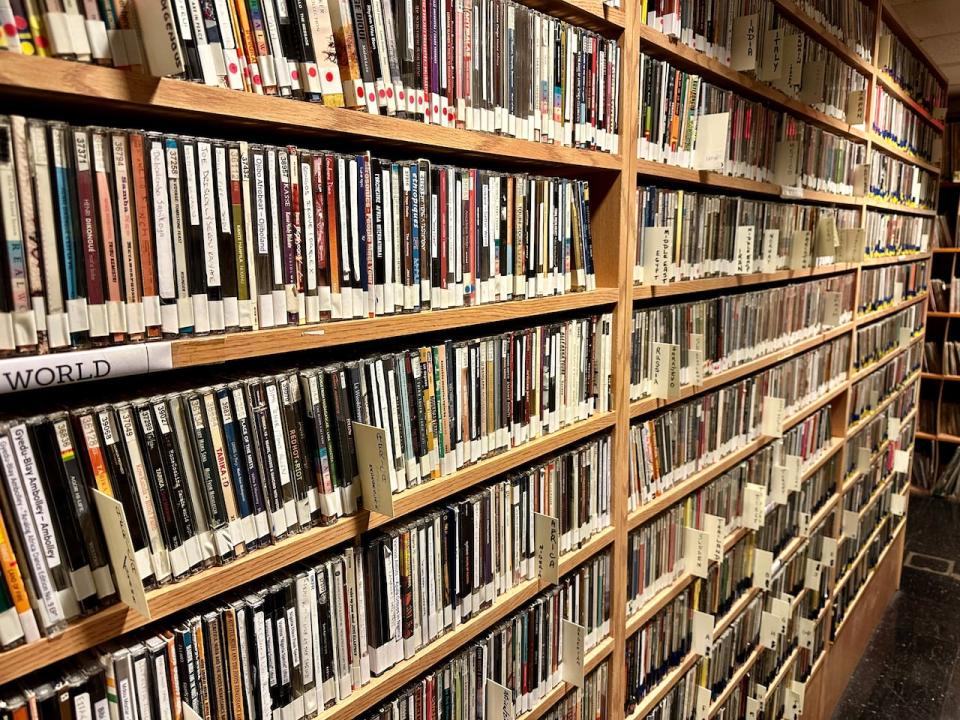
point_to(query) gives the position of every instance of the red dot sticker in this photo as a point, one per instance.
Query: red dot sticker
(40, 41)
(371, 97)
(419, 101)
(390, 93)
(401, 95)
(9, 30)
(382, 94)
(21, 22)
(436, 109)
(312, 72)
(359, 92)
(233, 68)
(256, 79)
(329, 76)
(294, 75)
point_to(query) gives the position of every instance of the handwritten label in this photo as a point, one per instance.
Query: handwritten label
(851, 524)
(939, 113)
(828, 552)
(800, 250)
(771, 626)
(778, 485)
(499, 704)
(658, 255)
(754, 505)
(812, 82)
(861, 179)
(771, 60)
(762, 563)
(864, 456)
(712, 134)
(695, 552)
(573, 639)
(696, 367)
(906, 335)
(770, 252)
(799, 689)
(803, 524)
(374, 467)
(811, 577)
(702, 633)
(897, 292)
(743, 50)
(123, 557)
(754, 708)
(901, 461)
(832, 307)
(771, 423)
(805, 632)
(792, 465)
(188, 712)
(546, 538)
(898, 504)
(666, 370)
(852, 241)
(703, 702)
(856, 107)
(743, 263)
(39, 371)
(780, 608)
(715, 526)
(893, 428)
(786, 163)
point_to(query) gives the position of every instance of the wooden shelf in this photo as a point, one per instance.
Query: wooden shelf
(798, 17)
(940, 437)
(856, 426)
(875, 315)
(734, 681)
(699, 479)
(842, 580)
(940, 314)
(118, 619)
(946, 250)
(591, 659)
(110, 91)
(893, 88)
(215, 349)
(591, 14)
(893, 259)
(689, 287)
(898, 152)
(649, 405)
(658, 172)
(867, 369)
(878, 204)
(938, 376)
(654, 42)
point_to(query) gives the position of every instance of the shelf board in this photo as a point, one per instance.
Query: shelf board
(649, 405)
(856, 426)
(798, 17)
(688, 287)
(884, 145)
(781, 674)
(590, 14)
(939, 250)
(699, 479)
(861, 553)
(875, 315)
(941, 314)
(894, 259)
(868, 369)
(938, 376)
(591, 659)
(893, 88)
(878, 204)
(941, 437)
(215, 349)
(715, 181)
(115, 620)
(734, 681)
(109, 90)
(655, 43)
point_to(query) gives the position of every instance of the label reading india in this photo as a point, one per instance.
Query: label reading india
(499, 702)
(123, 558)
(546, 538)
(374, 467)
(70, 368)
(573, 640)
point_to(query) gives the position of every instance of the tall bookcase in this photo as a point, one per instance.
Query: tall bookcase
(72, 90)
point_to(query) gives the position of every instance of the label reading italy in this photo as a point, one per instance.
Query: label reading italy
(771, 61)
(27, 373)
(712, 135)
(546, 538)
(702, 633)
(743, 51)
(714, 526)
(573, 639)
(666, 370)
(762, 563)
(123, 558)
(696, 549)
(374, 468)
(754, 505)
(499, 704)
(743, 264)
(901, 461)
(898, 504)
(771, 423)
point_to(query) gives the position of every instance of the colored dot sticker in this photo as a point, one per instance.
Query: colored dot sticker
(9, 30)
(256, 79)
(390, 93)
(312, 72)
(233, 68)
(21, 22)
(359, 92)
(401, 95)
(329, 76)
(382, 94)
(40, 41)
(371, 97)
(420, 101)
(294, 75)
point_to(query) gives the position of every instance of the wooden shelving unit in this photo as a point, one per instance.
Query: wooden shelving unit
(59, 87)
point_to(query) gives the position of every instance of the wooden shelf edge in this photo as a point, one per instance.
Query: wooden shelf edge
(819, 33)
(892, 87)
(734, 680)
(688, 287)
(214, 349)
(939, 437)
(639, 408)
(88, 85)
(884, 145)
(591, 660)
(118, 619)
(861, 553)
(714, 71)
(895, 259)
(891, 355)
(946, 250)
(883, 312)
(878, 204)
(853, 428)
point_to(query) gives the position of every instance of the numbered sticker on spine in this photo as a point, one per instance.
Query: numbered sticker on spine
(499, 702)
(754, 505)
(696, 550)
(573, 639)
(771, 423)
(762, 565)
(546, 538)
(702, 633)
(374, 468)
